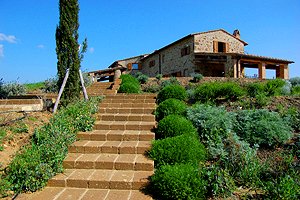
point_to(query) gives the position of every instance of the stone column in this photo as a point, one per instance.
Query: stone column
(117, 74)
(262, 70)
(284, 71)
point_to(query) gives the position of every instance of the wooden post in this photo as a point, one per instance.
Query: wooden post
(83, 87)
(61, 90)
(262, 70)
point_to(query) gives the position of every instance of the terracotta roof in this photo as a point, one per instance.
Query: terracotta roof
(264, 58)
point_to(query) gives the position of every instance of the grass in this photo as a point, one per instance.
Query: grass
(34, 86)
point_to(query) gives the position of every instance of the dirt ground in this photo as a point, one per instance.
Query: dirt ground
(18, 127)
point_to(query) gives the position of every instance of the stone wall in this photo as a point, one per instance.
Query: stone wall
(204, 42)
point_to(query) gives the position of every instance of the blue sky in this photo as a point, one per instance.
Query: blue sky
(117, 29)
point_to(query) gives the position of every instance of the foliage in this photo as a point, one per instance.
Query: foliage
(177, 150)
(197, 77)
(296, 90)
(38, 162)
(19, 127)
(168, 107)
(262, 127)
(142, 78)
(182, 181)
(12, 89)
(68, 55)
(174, 125)
(274, 87)
(214, 125)
(170, 81)
(87, 79)
(210, 92)
(291, 116)
(50, 85)
(34, 86)
(129, 84)
(159, 77)
(172, 91)
(152, 88)
(254, 89)
(295, 81)
(286, 88)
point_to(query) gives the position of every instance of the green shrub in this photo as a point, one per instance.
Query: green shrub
(159, 77)
(12, 89)
(50, 85)
(129, 78)
(142, 78)
(210, 92)
(34, 86)
(168, 107)
(292, 117)
(214, 125)
(38, 162)
(274, 87)
(129, 88)
(152, 88)
(170, 81)
(176, 150)
(172, 91)
(295, 81)
(254, 89)
(179, 182)
(296, 90)
(174, 125)
(262, 127)
(197, 78)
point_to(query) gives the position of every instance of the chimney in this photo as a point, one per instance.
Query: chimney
(236, 33)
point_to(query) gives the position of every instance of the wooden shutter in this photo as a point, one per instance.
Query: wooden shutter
(140, 66)
(129, 66)
(215, 46)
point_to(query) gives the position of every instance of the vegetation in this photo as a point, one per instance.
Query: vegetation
(34, 86)
(67, 52)
(197, 78)
(129, 84)
(170, 106)
(37, 162)
(171, 91)
(142, 78)
(11, 89)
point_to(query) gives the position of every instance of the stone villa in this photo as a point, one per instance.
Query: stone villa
(215, 53)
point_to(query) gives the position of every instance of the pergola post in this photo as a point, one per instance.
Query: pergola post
(262, 70)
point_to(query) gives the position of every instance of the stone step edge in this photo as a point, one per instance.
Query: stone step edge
(136, 162)
(124, 125)
(125, 117)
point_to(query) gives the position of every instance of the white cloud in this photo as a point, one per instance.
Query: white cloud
(92, 49)
(40, 46)
(8, 38)
(1, 50)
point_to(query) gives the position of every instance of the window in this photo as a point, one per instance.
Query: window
(185, 51)
(152, 63)
(135, 66)
(220, 47)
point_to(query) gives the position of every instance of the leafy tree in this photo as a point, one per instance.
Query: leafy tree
(67, 49)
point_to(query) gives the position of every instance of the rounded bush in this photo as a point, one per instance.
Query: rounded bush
(172, 91)
(128, 87)
(180, 149)
(174, 125)
(168, 107)
(129, 78)
(178, 182)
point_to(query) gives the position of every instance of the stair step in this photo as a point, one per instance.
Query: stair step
(110, 147)
(117, 135)
(124, 125)
(126, 117)
(137, 162)
(127, 110)
(113, 100)
(131, 96)
(101, 179)
(128, 105)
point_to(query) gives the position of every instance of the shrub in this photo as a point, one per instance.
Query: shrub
(172, 91)
(197, 78)
(274, 87)
(295, 81)
(168, 107)
(34, 86)
(287, 88)
(12, 89)
(176, 150)
(296, 90)
(38, 162)
(152, 88)
(210, 92)
(262, 127)
(214, 125)
(142, 78)
(129, 88)
(182, 181)
(174, 125)
(129, 78)
(291, 116)
(170, 81)
(50, 85)
(254, 89)
(159, 77)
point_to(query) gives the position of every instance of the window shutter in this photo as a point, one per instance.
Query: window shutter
(129, 66)
(226, 48)
(215, 46)
(140, 66)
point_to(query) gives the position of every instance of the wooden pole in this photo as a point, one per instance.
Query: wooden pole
(61, 90)
(83, 87)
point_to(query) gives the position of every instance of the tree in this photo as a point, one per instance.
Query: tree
(67, 49)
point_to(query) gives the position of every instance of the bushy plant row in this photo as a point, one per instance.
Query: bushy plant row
(170, 106)
(129, 84)
(38, 162)
(172, 91)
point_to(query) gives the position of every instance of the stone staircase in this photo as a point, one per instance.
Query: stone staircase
(109, 162)
(103, 88)
(21, 105)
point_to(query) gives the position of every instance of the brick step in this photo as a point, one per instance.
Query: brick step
(137, 162)
(126, 110)
(20, 101)
(127, 105)
(101, 179)
(22, 107)
(131, 96)
(124, 125)
(112, 100)
(126, 117)
(110, 147)
(55, 193)
(116, 135)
